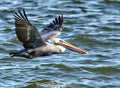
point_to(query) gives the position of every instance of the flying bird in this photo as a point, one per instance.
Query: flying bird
(36, 44)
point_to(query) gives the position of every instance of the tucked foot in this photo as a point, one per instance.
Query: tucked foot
(21, 54)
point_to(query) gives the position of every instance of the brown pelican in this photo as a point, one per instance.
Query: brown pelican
(35, 43)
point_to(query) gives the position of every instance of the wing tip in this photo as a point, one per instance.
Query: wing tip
(58, 20)
(20, 14)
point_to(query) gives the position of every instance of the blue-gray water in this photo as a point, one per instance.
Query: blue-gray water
(93, 25)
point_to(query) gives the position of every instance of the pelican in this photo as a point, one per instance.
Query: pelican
(36, 44)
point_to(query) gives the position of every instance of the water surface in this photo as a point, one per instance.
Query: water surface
(93, 25)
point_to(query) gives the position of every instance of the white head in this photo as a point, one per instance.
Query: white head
(69, 46)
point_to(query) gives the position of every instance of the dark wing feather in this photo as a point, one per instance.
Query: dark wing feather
(26, 32)
(53, 29)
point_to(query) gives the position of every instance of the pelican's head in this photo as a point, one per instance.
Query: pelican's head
(56, 40)
(68, 46)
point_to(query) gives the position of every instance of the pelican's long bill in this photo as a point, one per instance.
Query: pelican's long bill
(69, 46)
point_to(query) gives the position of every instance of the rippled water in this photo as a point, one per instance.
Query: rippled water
(93, 25)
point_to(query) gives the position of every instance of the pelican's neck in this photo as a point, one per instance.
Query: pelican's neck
(62, 49)
(56, 47)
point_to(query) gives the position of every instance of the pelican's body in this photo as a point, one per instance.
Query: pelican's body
(35, 43)
(45, 50)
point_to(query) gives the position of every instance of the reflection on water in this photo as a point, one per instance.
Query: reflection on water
(91, 25)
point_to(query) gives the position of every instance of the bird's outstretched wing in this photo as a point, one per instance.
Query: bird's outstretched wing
(26, 32)
(53, 29)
